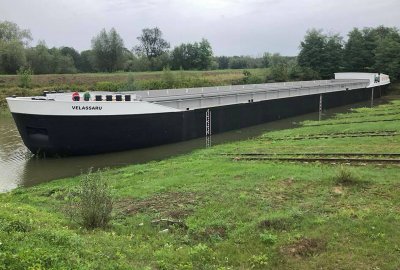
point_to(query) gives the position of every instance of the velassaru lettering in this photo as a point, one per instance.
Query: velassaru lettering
(87, 108)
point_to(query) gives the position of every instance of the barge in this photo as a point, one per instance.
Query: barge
(97, 122)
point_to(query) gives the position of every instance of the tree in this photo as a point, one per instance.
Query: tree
(13, 41)
(204, 54)
(40, 59)
(223, 62)
(277, 59)
(12, 56)
(363, 47)
(238, 62)
(196, 55)
(151, 43)
(321, 53)
(387, 58)
(10, 31)
(108, 50)
(180, 57)
(87, 61)
(357, 55)
(266, 59)
(44, 60)
(62, 63)
(312, 50)
(333, 56)
(74, 54)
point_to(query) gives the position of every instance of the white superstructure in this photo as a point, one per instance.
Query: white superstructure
(375, 79)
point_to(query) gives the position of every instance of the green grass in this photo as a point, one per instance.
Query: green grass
(233, 213)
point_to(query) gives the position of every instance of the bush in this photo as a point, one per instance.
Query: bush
(279, 73)
(108, 86)
(91, 204)
(168, 78)
(345, 176)
(15, 226)
(130, 84)
(25, 77)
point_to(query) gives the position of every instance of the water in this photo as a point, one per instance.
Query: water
(18, 167)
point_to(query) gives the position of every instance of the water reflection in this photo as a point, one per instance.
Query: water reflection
(18, 167)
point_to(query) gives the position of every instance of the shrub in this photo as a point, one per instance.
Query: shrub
(15, 226)
(279, 73)
(168, 78)
(130, 84)
(91, 204)
(25, 77)
(108, 86)
(346, 176)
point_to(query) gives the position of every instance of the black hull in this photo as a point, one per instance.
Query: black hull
(83, 135)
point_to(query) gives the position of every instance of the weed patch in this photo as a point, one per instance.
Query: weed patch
(268, 238)
(345, 176)
(260, 261)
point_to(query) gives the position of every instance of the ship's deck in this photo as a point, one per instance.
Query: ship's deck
(194, 98)
(204, 97)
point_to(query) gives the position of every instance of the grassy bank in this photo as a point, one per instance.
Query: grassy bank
(235, 206)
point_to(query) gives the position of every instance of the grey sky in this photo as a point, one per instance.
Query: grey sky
(233, 27)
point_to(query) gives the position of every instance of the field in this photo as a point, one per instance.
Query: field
(90, 79)
(320, 196)
(11, 84)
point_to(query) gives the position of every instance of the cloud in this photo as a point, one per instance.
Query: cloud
(233, 27)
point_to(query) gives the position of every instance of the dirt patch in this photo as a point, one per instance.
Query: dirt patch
(287, 182)
(179, 213)
(338, 190)
(176, 205)
(305, 247)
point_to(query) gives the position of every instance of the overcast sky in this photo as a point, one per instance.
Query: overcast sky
(233, 27)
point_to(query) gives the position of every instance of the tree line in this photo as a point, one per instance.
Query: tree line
(366, 50)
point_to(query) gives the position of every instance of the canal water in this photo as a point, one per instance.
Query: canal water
(18, 167)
